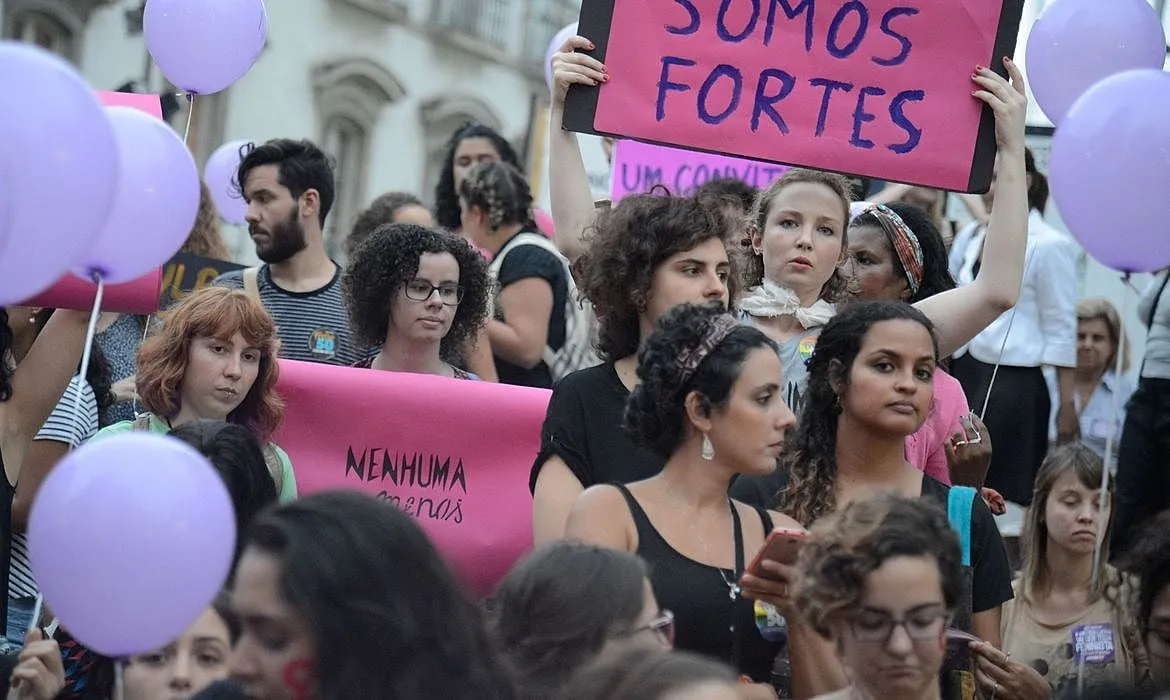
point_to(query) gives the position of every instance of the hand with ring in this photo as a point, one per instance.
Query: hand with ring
(969, 452)
(1000, 678)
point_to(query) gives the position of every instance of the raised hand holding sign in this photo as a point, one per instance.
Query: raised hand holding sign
(874, 87)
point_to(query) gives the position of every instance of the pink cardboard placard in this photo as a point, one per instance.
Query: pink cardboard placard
(637, 167)
(151, 104)
(454, 454)
(880, 88)
(138, 296)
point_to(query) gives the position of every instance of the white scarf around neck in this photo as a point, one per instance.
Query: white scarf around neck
(770, 300)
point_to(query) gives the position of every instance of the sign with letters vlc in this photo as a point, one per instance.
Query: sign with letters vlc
(880, 88)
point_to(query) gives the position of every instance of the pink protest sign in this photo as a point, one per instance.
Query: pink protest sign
(880, 88)
(454, 454)
(637, 167)
(151, 104)
(138, 296)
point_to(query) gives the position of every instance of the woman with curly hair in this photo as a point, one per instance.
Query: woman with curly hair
(213, 357)
(869, 386)
(882, 579)
(709, 405)
(470, 145)
(896, 253)
(1062, 600)
(529, 330)
(419, 293)
(1148, 559)
(646, 255)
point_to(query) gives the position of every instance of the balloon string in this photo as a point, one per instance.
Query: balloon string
(190, 114)
(87, 351)
(1003, 346)
(1103, 496)
(119, 680)
(145, 333)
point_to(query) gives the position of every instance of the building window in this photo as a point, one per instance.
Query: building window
(347, 142)
(351, 95)
(55, 25)
(45, 31)
(545, 19)
(485, 20)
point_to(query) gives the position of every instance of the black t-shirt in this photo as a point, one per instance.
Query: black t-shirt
(991, 572)
(583, 426)
(522, 262)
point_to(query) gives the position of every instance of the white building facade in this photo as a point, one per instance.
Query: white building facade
(379, 84)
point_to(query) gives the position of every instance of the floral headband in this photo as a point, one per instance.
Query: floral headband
(688, 361)
(906, 245)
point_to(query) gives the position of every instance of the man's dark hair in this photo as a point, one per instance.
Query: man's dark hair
(301, 166)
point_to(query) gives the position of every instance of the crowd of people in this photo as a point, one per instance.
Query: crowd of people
(814, 359)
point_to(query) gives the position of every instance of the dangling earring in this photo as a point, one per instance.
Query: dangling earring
(708, 452)
(837, 404)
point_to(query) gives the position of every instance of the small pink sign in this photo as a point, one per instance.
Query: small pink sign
(637, 167)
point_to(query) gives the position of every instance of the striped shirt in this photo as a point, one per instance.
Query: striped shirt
(313, 326)
(67, 426)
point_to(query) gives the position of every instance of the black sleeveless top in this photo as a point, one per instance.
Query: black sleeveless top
(7, 493)
(708, 620)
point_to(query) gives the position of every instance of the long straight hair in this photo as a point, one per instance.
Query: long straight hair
(1088, 466)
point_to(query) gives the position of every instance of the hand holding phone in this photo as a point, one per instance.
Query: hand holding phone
(783, 546)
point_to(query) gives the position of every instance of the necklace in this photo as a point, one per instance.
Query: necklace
(733, 588)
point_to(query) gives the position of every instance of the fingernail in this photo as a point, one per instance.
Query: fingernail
(605, 78)
(592, 46)
(1006, 59)
(980, 69)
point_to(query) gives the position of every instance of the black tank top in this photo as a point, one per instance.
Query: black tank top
(708, 620)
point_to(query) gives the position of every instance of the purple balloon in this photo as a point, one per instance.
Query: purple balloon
(204, 46)
(1110, 165)
(156, 203)
(60, 167)
(130, 539)
(1076, 43)
(219, 175)
(553, 46)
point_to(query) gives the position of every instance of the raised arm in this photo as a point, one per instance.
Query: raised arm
(569, 192)
(960, 314)
(41, 379)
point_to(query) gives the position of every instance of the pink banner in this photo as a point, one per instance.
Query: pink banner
(151, 104)
(637, 167)
(876, 87)
(139, 296)
(454, 454)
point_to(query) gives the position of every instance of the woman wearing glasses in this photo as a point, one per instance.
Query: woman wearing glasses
(882, 578)
(568, 602)
(419, 293)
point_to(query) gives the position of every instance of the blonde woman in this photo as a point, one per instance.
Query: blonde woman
(1098, 386)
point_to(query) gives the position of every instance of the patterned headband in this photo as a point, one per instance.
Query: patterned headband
(906, 244)
(689, 360)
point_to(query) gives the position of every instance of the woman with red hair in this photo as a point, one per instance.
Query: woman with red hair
(214, 358)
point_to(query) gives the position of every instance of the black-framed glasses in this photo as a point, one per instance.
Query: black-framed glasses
(921, 624)
(661, 626)
(421, 290)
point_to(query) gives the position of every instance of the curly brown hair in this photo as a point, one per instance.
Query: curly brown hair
(386, 260)
(214, 312)
(626, 245)
(837, 288)
(848, 546)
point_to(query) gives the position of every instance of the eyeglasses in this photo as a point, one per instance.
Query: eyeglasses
(421, 290)
(661, 626)
(921, 625)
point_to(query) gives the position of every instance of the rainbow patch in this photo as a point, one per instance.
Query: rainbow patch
(806, 346)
